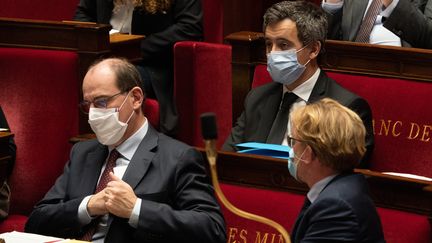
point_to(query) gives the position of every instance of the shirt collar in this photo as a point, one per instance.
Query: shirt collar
(304, 90)
(129, 146)
(318, 187)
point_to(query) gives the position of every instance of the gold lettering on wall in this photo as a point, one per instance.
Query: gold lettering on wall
(414, 126)
(395, 125)
(232, 235)
(236, 235)
(243, 234)
(425, 136)
(384, 126)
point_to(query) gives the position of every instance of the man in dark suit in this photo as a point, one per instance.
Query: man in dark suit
(327, 143)
(151, 188)
(4, 187)
(399, 22)
(294, 34)
(163, 22)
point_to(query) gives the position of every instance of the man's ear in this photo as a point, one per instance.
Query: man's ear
(138, 97)
(315, 49)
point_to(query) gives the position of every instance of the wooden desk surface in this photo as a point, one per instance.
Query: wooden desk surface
(124, 38)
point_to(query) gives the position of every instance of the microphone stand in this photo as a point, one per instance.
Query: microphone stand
(211, 153)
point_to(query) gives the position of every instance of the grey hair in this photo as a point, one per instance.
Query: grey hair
(310, 19)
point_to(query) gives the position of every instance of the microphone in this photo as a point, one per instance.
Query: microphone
(209, 133)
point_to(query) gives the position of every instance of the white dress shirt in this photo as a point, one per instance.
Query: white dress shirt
(379, 35)
(127, 150)
(303, 91)
(121, 18)
(316, 189)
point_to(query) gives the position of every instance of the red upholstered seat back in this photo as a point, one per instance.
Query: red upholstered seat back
(281, 207)
(39, 95)
(213, 20)
(402, 121)
(151, 111)
(202, 84)
(43, 10)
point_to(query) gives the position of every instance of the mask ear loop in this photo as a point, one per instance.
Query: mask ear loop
(121, 106)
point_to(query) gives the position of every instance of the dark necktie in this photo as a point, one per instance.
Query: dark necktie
(103, 181)
(367, 24)
(280, 124)
(306, 205)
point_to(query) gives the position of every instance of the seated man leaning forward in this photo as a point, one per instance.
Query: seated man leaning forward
(132, 184)
(328, 141)
(294, 34)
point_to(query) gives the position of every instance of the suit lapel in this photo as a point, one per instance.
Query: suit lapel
(320, 89)
(142, 158)
(353, 12)
(269, 112)
(94, 162)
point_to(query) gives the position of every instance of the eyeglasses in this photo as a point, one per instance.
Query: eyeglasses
(291, 141)
(101, 102)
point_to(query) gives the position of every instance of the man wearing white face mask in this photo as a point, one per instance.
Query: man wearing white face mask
(294, 34)
(132, 184)
(328, 141)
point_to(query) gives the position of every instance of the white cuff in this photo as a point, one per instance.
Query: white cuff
(134, 218)
(83, 215)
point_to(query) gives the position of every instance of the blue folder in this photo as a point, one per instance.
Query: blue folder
(265, 149)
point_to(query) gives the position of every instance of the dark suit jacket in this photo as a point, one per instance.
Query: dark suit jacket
(178, 204)
(343, 212)
(416, 32)
(410, 24)
(162, 30)
(12, 146)
(262, 104)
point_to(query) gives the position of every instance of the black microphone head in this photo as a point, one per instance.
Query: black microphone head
(208, 126)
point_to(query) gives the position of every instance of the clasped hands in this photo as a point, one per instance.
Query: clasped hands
(117, 198)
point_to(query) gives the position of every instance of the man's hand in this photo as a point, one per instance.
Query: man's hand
(96, 204)
(119, 197)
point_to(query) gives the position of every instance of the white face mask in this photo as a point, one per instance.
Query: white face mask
(106, 124)
(284, 67)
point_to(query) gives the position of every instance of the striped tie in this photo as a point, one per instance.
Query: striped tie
(367, 24)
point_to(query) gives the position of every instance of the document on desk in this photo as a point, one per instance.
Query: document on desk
(265, 149)
(21, 237)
